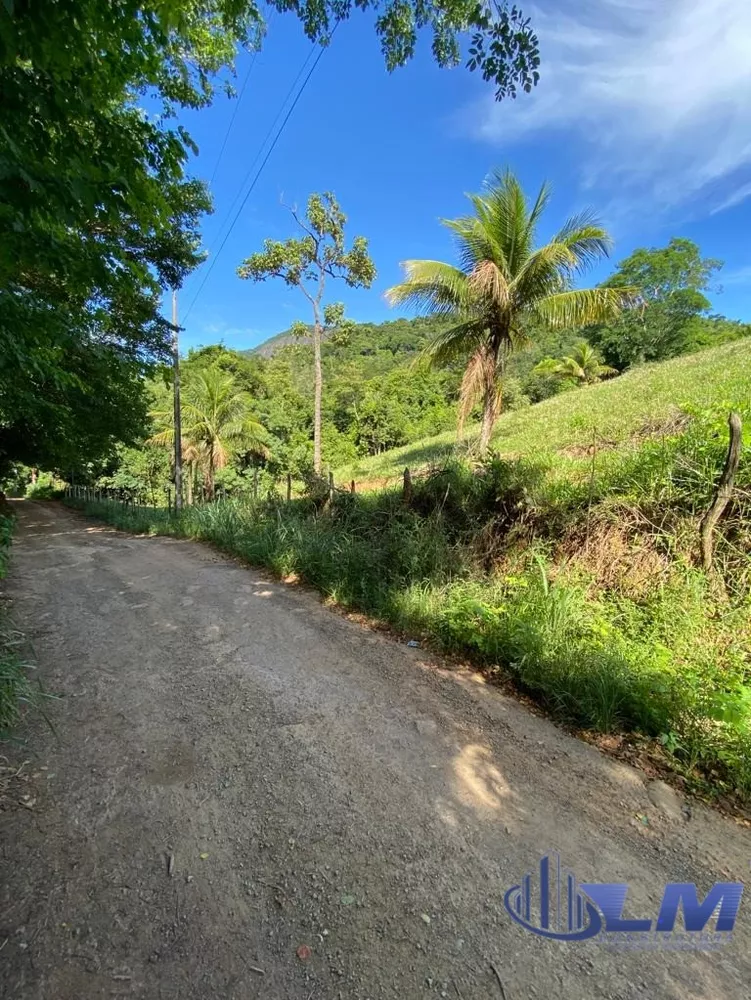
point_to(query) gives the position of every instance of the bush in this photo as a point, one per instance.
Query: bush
(47, 487)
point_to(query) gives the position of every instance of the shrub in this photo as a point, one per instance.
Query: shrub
(47, 487)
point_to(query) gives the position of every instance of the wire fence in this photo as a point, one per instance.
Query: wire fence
(166, 498)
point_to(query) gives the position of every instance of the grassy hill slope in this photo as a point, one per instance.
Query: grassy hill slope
(616, 414)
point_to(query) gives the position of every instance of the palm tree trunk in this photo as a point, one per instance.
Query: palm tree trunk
(210, 475)
(491, 394)
(318, 393)
(488, 416)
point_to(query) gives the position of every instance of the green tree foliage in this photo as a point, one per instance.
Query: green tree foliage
(378, 393)
(97, 215)
(669, 316)
(502, 284)
(139, 470)
(307, 262)
(582, 367)
(217, 423)
(503, 44)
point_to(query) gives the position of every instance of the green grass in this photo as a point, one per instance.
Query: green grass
(16, 689)
(584, 592)
(612, 413)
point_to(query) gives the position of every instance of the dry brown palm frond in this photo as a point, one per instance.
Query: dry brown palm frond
(478, 375)
(488, 281)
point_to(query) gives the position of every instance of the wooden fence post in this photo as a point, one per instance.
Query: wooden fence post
(289, 486)
(407, 491)
(331, 485)
(352, 486)
(723, 492)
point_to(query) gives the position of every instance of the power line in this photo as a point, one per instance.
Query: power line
(266, 138)
(263, 164)
(234, 115)
(268, 18)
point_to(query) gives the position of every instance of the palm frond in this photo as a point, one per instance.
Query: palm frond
(541, 203)
(543, 274)
(454, 344)
(509, 217)
(431, 287)
(584, 365)
(579, 307)
(586, 238)
(479, 375)
(489, 283)
(476, 238)
(162, 439)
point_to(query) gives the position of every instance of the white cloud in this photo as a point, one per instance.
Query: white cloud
(740, 276)
(655, 92)
(734, 198)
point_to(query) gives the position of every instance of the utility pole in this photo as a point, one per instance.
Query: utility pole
(178, 424)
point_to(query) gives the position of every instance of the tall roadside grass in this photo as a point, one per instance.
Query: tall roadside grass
(585, 593)
(16, 688)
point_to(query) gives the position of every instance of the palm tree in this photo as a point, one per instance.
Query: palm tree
(584, 365)
(217, 421)
(504, 283)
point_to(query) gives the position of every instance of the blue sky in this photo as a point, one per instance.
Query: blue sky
(641, 113)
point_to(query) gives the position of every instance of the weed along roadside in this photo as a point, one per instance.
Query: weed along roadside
(587, 593)
(16, 689)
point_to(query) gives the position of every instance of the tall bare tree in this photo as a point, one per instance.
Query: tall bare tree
(307, 262)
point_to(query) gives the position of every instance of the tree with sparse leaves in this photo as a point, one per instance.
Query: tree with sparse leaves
(307, 262)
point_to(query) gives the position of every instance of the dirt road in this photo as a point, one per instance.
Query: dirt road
(307, 783)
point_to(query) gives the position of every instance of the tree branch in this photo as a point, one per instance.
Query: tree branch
(305, 292)
(312, 235)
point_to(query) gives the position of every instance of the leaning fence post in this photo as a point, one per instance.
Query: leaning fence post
(407, 490)
(723, 492)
